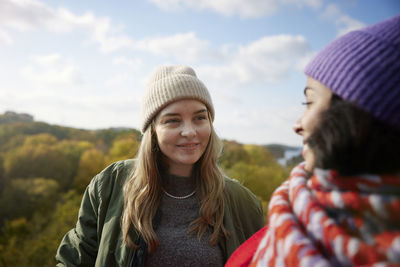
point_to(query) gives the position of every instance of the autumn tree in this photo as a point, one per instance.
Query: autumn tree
(232, 152)
(91, 162)
(261, 180)
(125, 148)
(2, 177)
(254, 167)
(35, 242)
(39, 156)
(258, 155)
(25, 196)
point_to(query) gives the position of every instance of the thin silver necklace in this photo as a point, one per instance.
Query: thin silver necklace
(183, 197)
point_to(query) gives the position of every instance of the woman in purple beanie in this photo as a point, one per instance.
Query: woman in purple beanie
(341, 206)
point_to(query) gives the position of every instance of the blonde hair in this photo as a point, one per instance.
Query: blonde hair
(142, 192)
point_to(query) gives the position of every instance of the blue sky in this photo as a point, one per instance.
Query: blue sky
(85, 63)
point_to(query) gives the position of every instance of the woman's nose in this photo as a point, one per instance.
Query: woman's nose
(297, 128)
(188, 130)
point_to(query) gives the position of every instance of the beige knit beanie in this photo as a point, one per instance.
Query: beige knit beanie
(168, 84)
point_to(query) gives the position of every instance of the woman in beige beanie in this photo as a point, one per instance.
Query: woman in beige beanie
(172, 205)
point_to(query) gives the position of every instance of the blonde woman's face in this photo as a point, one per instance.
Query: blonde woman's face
(318, 98)
(183, 131)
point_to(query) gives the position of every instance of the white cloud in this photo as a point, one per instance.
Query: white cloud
(28, 15)
(118, 80)
(135, 63)
(25, 14)
(314, 4)
(52, 70)
(303, 61)
(272, 124)
(343, 22)
(182, 46)
(51, 60)
(5, 38)
(271, 58)
(241, 8)
(103, 34)
(347, 24)
(267, 60)
(126, 77)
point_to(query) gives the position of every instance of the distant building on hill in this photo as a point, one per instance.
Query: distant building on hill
(11, 117)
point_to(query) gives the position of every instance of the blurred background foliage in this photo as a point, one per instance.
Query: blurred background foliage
(44, 170)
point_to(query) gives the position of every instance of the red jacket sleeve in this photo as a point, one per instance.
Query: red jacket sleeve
(242, 256)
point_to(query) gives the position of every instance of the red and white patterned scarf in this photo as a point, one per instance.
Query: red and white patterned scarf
(327, 220)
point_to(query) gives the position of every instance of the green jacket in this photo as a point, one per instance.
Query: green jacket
(97, 238)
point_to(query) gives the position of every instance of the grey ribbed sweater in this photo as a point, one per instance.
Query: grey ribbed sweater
(176, 246)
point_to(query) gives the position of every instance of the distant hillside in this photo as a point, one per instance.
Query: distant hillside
(11, 117)
(285, 155)
(282, 153)
(13, 124)
(278, 151)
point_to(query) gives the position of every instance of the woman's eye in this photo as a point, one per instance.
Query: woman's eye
(307, 103)
(201, 118)
(169, 121)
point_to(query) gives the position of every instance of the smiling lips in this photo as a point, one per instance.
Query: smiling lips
(188, 146)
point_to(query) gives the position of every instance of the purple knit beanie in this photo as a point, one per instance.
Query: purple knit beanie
(363, 67)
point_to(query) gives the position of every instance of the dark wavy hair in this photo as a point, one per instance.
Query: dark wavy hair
(351, 141)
